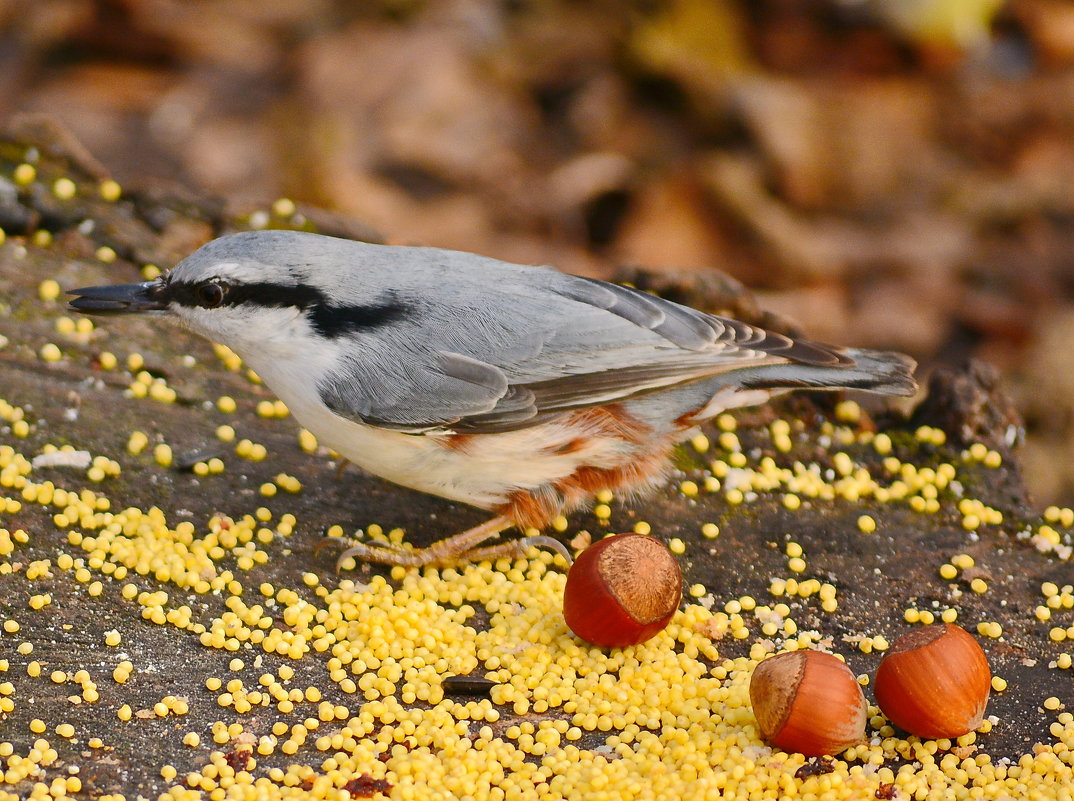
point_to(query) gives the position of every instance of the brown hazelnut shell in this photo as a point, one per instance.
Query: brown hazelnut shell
(808, 702)
(934, 682)
(622, 590)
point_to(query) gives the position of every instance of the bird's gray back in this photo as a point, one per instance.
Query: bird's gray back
(443, 339)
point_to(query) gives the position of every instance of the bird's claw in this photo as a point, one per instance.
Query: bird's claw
(383, 552)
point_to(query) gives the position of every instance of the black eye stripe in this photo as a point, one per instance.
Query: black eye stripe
(327, 319)
(261, 294)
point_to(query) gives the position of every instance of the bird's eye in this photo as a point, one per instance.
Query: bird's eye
(210, 295)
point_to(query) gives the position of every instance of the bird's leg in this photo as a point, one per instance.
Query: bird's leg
(459, 548)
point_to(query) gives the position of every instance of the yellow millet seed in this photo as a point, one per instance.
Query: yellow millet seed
(50, 353)
(49, 289)
(110, 190)
(24, 174)
(137, 442)
(847, 411)
(283, 207)
(307, 441)
(64, 188)
(162, 454)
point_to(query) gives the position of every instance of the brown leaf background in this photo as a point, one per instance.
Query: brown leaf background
(887, 173)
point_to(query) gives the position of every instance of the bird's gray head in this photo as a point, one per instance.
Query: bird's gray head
(258, 290)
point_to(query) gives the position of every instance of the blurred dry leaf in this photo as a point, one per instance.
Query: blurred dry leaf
(789, 125)
(669, 225)
(961, 23)
(696, 42)
(830, 145)
(798, 247)
(1050, 23)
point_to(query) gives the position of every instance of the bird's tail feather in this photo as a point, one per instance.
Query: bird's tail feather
(883, 372)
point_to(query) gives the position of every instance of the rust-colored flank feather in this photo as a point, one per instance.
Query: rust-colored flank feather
(641, 470)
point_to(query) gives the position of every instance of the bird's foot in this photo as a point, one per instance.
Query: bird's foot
(390, 552)
(453, 550)
(515, 549)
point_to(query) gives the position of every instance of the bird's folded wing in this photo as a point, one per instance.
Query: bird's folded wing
(523, 350)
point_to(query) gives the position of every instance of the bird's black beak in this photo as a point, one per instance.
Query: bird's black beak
(148, 296)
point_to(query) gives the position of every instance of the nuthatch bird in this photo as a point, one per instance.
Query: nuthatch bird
(520, 390)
